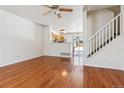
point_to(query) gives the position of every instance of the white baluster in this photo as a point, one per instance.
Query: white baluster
(105, 35)
(109, 31)
(102, 37)
(99, 40)
(93, 45)
(113, 29)
(120, 23)
(89, 47)
(96, 41)
(116, 27)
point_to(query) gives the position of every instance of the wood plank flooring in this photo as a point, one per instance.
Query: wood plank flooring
(103, 78)
(56, 72)
(42, 72)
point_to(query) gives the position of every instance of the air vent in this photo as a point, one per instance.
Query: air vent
(65, 54)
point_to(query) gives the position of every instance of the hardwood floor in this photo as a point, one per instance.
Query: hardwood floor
(56, 72)
(103, 78)
(42, 72)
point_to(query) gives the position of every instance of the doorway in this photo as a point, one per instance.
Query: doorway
(77, 50)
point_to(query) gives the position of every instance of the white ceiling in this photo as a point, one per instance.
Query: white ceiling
(34, 13)
(72, 22)
(30, 12)
(96, 7)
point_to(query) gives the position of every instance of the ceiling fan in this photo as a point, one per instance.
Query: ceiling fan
(56, 9)
(62, 31)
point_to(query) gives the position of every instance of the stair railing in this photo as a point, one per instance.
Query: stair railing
(104, 35)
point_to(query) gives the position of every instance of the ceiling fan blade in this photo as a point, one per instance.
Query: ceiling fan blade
(65, 10)
(47, 6)
(58, 15)
(47, 12)
(55, 6)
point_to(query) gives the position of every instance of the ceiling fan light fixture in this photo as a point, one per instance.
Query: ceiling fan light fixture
(56, 9)
(62, 29)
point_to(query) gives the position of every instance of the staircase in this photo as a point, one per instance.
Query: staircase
(104, 36)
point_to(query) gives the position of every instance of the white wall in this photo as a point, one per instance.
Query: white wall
(122, 11)
(85, 36)
(68, 37)
(20, 39)
(97, 19)
(54, 49)
(112, 55)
